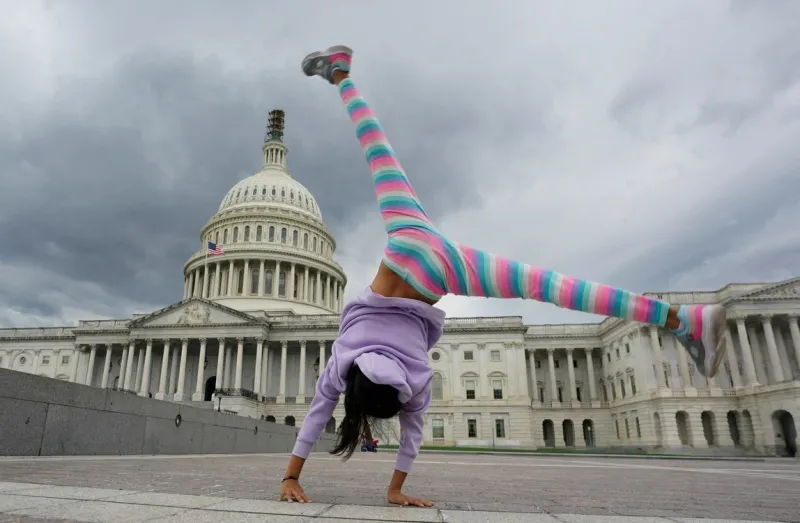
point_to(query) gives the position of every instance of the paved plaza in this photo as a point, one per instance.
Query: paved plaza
(465, 488)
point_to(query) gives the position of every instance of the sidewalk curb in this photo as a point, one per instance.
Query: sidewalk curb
(587, 455)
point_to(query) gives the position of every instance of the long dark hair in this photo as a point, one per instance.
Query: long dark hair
(363, 400)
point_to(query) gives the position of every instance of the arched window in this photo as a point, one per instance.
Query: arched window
(258, 233)
(283, 193)
(273, 191)
(216, 237)
(291, 195)
(254, 281)
(263, 191)
(305, 241)
(240, 282)
(314, 244)
(437, 389)
(247, 233)
(225, 236)
(268, 282)
(282, 284)
(271, 233)
(271, 419)
(235, 234)
(294, 238)
(283, 235)
(289, 421)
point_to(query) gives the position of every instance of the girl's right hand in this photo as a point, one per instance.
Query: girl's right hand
(292, 491)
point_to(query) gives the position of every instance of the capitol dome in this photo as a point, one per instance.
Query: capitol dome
(276, 252)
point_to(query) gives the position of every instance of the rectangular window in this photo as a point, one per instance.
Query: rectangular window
(65, 360)
(468, 355)
(538, 364)
(578, 391)
(541, 394)
(495, 355)
(45, 360)
(608, 356)
(613, 392)
(622, 387)
(627, 429)
(438, 429)
(472, 428)
(469, 385)
(638, 428)
(575, 364)
(605, 393)
(617, 352)
(560, 395)
(666, 378)
(627, 348)
(500, 428)
(616, 426)
(633, 386)
(556, 364)
(497, 389)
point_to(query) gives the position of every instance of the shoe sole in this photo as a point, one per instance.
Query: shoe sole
(322, 54)
(718, 320)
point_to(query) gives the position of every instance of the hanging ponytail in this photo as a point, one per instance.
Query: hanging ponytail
(363, 400)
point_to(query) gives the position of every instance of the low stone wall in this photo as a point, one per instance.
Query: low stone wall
(46, 417)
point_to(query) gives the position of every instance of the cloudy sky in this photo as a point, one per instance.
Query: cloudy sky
(651, 146)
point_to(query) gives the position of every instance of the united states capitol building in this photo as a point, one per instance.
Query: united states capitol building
(256, 324)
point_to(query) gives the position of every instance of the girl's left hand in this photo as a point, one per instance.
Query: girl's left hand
(396, 497)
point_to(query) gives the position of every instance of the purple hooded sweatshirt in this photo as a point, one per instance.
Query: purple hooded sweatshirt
(389, 340)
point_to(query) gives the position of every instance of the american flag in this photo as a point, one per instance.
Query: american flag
(213, 249)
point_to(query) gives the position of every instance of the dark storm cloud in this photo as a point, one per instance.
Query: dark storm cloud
(111, 182)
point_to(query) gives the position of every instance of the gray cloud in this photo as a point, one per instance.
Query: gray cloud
(652, 147)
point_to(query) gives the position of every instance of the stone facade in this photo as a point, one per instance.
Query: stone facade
(256, 323)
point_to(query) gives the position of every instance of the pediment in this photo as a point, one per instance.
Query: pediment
(194, 311)
(785, 290)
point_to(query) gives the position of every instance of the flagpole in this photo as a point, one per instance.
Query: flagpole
(205, 273)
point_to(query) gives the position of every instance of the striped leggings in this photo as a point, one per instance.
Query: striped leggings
(435, 265)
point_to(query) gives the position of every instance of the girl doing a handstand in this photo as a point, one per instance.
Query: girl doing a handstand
(379, 360)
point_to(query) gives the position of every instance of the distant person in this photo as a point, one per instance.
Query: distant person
(379, 361)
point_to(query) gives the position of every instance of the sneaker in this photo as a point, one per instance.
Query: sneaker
(707, 346)
(324, 63)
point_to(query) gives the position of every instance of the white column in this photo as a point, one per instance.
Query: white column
(657, 357)
(553, 387)
(173, 369)
(185, 287)
(126, 383)
(683, 364)
(199, 393)
(246, 280)
(228, 357)
(220, 382)
(282, 390)
(258, 366)
(57, 362)
(590, 367)
(76, 357)
(341, 299)
(123, 368)
(534, 381)
(180, 392)
(230, 280)
(217, 271)
(162, 379)
(301, 386)
(321, 355)
(318, 289)
(106, 366)
(329, 295)
(733, 360)
(139, 369)
(276, 278)
(206, 284)
(306, 286)
(290, 283)
(266, 382)
(237, 383)
(90, 368)
(794, 330)
(573, 390)
(261, 278)
(772, 349)
(747, 353)
(191, 284)
(148, 357)
(522, 371)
